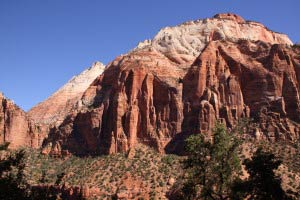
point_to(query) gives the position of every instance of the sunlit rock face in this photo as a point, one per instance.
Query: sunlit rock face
(54, 109)
(29, 129)
(136, 99)
(254, 79)
(15, 126)
(181, 82)
(183, 43)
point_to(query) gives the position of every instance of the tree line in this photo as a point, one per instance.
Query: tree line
(213, 169)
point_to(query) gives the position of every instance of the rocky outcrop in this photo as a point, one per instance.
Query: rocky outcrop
(51, 112)
(15, 127)
(13, 124)
(30, 129)
(183, 43)
(232, 80)
(61, 191)
(144, 97)
(54, 109)
(182, 82)
(137, 99)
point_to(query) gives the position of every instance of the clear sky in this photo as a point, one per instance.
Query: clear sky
(43, 43)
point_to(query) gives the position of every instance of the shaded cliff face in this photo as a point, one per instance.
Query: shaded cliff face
(54, 109)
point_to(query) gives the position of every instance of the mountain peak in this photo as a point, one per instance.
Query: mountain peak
(59, 104)
(230, 16)
(184, 42)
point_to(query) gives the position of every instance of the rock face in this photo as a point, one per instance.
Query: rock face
(179, 83)
(54, 109)
(30, 129)
(137, 99)
(15, 127)
(231, 80)
(183, 43)
(13, 123)
(182, 82)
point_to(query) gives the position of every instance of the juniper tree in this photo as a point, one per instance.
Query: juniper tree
(212, 166)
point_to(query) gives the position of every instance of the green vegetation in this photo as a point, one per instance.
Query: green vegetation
(13, 185)
(110, 174)
(211, 166)
(262, 182)
(210, 170)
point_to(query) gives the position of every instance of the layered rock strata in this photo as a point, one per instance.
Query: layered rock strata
(54, 109)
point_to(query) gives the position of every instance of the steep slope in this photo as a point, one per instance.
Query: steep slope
(222, 68)
(54, 109)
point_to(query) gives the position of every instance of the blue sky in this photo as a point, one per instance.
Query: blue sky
(43, 43)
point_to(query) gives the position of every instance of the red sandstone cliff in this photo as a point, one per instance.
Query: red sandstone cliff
(181, 82)
(231, 80)
(30, 129)
(13, 123)
(16, 128)
(137, 99)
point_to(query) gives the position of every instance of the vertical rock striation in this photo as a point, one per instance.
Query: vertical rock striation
(136, 99)
(182, 82)
(179, 83)
(144, 97)
(16, 128)
(231, 80)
